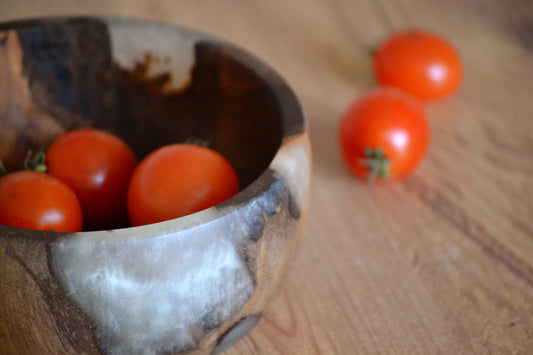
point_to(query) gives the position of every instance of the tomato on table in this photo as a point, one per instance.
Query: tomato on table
(35, 200)
(97, 165)
(177, 180)
(421, 63)
(384, 135)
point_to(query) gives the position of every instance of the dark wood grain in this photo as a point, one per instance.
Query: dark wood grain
(53, 324)
(59, 76)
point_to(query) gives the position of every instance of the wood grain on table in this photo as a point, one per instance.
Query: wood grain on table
(439, 263)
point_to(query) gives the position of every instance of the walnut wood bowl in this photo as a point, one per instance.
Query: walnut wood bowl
(194, 284)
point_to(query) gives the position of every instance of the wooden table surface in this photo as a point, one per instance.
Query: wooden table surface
(439, 263)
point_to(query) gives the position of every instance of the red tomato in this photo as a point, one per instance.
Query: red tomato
(33, 200)
(177, 180)
(97, 166)
(384, 135)
(420, 63)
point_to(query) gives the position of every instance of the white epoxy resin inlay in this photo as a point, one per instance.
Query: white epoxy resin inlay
(152, 295)
(171, 49)
(293, 164)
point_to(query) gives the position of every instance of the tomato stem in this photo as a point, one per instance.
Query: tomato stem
(377, 163)
(36, 162)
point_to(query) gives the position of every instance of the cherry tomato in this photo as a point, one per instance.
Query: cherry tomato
(179, 179)
(98, 166)
(33, 200)
(384, 135)
(420, 63)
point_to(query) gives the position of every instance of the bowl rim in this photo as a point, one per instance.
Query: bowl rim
(292, 118)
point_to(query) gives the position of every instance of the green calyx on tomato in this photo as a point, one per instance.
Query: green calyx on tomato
(384, 135)
(377, 163)
(36, 162)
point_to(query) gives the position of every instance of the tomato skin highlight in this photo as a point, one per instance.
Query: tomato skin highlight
(177, 180)
(97, 165)
(384, 119)
(34, 200)
(421, 63)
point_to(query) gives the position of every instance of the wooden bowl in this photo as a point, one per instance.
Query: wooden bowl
(194, 284)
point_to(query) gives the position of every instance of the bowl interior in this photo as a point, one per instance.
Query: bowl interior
(60, 74)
